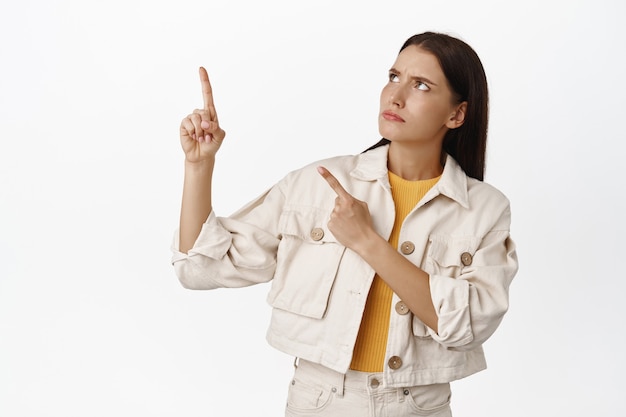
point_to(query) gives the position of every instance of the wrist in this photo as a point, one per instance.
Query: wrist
(370, 246)
(202, 166)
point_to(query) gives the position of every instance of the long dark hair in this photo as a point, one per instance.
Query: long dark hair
(467, 144)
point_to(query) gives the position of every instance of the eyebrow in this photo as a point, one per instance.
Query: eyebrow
(424, 79)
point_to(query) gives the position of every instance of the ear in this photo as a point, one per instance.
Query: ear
(457, 118)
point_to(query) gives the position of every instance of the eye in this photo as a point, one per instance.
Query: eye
(422, 86)
(393, 78)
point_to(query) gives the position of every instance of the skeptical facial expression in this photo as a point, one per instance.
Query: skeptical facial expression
(417, 104)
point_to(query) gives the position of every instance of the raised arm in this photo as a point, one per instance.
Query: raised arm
(201, 137)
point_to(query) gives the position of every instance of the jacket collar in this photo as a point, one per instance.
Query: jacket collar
(372, 165)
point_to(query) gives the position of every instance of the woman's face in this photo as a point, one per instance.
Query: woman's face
(417, 104)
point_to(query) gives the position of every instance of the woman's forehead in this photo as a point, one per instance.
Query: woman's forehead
(415, 61)
(415, 57)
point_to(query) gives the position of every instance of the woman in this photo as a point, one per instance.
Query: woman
(389, 268)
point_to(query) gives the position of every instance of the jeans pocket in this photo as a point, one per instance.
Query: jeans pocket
(304, 398)
(430, 400)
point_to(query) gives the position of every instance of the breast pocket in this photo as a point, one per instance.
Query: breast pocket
(450, 255)
(307, 262)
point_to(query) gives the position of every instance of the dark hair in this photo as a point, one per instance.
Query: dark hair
(467, 144)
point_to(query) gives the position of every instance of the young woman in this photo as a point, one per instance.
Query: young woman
(389, 268)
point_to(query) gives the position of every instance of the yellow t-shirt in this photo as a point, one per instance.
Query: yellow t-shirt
(370, 348)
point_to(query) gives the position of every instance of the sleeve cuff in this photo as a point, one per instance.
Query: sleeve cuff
(451, 300)
(212, 242)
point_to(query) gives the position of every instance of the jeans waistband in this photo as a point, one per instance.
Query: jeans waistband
(356, 380)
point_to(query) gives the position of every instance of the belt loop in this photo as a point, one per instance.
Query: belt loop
(295, 362)
(341, 383)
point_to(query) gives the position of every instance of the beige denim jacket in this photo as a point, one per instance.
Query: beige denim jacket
(458, 233)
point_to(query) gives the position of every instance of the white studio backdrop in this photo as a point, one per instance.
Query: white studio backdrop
(93, 321)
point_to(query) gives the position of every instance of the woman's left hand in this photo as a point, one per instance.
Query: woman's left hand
(350, 220)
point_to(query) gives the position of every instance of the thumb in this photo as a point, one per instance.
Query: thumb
(214, 129)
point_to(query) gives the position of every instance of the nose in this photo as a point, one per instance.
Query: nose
(397, 96)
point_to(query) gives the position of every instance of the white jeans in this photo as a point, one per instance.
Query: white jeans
(319, 391)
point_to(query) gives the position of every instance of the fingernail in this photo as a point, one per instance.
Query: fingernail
(204, 124)
(193, 136)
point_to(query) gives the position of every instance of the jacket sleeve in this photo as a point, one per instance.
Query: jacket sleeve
(235, 251)
(471, 306)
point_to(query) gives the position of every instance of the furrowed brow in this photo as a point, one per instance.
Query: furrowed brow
(414, 78)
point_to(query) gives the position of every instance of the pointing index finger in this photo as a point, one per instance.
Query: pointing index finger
(333, 182)
(207, 91)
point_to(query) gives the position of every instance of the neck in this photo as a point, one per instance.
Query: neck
(415, 163)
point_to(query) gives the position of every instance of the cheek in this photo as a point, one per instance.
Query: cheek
(427, 110)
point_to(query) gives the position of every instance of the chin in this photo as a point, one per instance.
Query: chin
(393, 132)
(387, 133)
(391, 136)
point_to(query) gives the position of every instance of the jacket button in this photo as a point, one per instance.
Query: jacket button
(317, 234)
(466, 258)
(407, 247)
(401, 308)
(374, 383)
(395, 362)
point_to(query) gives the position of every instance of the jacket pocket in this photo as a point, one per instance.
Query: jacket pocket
(449, 255)
(306, 263)
(419, 328)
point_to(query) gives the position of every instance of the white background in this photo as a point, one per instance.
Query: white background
(93, 321)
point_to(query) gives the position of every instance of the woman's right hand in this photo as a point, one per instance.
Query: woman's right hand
(200, 132)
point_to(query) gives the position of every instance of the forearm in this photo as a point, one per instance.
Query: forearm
(407, 280)
(196, 201)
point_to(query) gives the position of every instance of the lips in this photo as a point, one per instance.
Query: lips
(391, 116)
